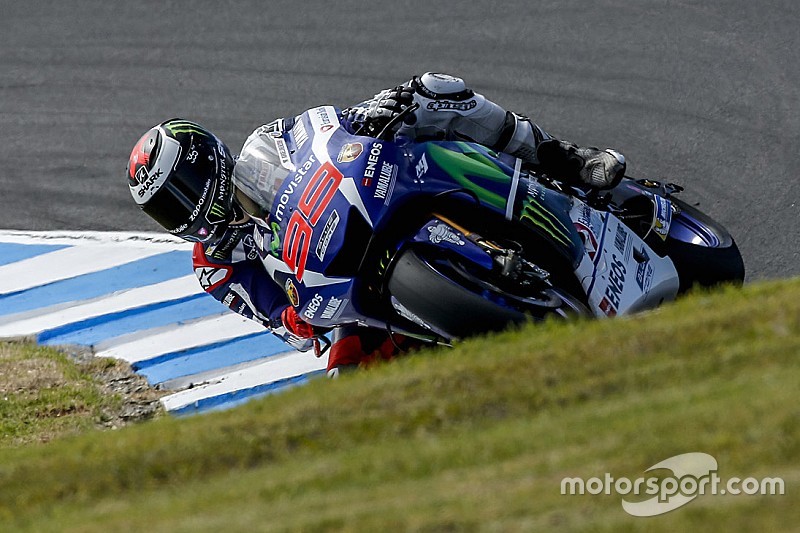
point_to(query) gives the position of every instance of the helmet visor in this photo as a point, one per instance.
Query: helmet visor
(171, 206)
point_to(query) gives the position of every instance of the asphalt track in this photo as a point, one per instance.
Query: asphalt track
(706, 94)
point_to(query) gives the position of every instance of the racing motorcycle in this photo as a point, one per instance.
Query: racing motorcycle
(441, 240)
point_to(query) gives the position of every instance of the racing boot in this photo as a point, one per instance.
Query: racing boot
(561, 160)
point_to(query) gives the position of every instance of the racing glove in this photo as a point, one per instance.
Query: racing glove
(373, 115)
(601, 169)
(296, 325)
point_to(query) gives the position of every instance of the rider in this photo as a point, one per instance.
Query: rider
(182, 176)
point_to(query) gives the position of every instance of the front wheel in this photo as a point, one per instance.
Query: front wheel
(703, 251)
(458, 301)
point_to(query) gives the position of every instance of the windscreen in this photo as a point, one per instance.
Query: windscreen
(258, 175)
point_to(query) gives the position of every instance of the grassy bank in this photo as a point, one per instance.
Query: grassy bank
(44, 395)
(478, 437)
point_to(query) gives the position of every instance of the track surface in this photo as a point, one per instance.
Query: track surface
(706, 94)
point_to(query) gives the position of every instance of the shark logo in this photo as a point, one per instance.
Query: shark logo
(140, 163)
(151, 162)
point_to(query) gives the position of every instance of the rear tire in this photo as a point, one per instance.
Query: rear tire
(442, 296)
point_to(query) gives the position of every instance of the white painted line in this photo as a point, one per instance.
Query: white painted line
(277, 368)
(67, 263)
(147, 345)
(119, 301)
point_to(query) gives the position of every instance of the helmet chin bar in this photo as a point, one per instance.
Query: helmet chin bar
(247, 205)
(238, 213)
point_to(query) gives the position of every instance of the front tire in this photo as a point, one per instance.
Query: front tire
(704, 252)
(443, 294)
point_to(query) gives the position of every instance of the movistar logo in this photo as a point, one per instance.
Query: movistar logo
(184, 126)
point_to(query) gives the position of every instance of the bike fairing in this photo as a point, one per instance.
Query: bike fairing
(325, 192)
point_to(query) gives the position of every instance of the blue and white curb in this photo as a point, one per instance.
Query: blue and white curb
(135, 297)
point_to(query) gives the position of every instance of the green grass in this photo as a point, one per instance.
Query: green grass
(474, 438)
(44, 395)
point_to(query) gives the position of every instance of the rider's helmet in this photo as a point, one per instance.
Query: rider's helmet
(179, 173)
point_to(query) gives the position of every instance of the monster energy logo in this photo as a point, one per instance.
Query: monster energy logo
(540, 217)
(216, 214)
(184, 126)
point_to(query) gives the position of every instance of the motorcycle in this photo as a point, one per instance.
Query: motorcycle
(441, 240)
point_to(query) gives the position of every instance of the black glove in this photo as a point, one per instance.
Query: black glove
(565, 161)
(375, 114)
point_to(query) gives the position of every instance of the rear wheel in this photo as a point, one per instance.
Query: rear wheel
(458, 300)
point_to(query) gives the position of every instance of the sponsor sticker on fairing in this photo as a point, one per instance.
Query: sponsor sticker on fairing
(387, 174)
(313, 307)
(299, 133)
(616, 284)
(620, 238)
(350, 152)
(291, 293)
(283, 154)
(607, 307)
(372, 163)
(443, 233)
(333, 309)
(662, 216)
(291, 186)
(644, 271)
(327, 233)
(588, 238)
(323, 119)
(422, 167)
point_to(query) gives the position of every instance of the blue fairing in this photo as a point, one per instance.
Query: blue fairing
(342, 181)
